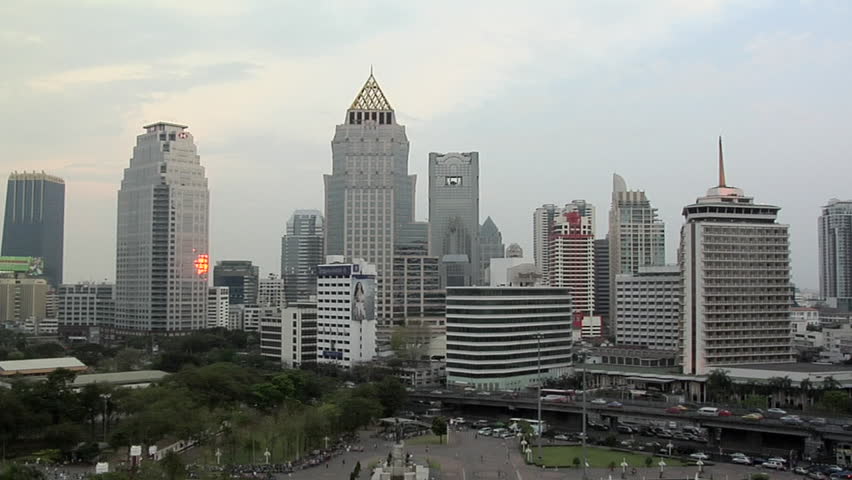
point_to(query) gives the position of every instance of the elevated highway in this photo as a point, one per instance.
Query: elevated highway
(805, 437)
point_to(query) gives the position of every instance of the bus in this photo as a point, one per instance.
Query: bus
(556, 395)
(536, 427)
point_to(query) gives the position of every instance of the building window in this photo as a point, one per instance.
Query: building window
(453, 181)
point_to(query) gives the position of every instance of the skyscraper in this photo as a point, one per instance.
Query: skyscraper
(572, 256)
(602, 293)
(34, 225)
(301, 252)
(637, 236)
(369, 193)
(542, 222)
(162, 257)
(735, 265)
(242, 279)
(490, 246)
(454, 208)
(835, 253)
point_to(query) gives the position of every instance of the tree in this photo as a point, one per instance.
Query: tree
(391, 394)
(172, 465)
(719, 385)
(649, 461)
(835, 401)
(829, 383)
(754, 401)
(14, 471)
(439, 427)
(576, 462)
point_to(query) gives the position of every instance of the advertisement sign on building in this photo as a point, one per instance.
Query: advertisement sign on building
(363, 298)
(33, 266)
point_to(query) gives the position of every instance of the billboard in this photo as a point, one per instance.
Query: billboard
(30, 265)
(363, 297)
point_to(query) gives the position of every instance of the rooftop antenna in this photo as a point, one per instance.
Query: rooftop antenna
(721, 165)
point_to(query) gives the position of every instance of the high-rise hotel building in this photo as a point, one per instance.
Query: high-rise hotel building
(572, 254)
(735, 264)
(369, 194)
(162, 256)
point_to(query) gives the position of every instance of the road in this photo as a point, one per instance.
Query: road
(470, 458)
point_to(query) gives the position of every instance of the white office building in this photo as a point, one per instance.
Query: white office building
(86, 304)
(289, 334)
(271, 291)
(162, 256)
(346, 312)
(647, 311)
(218, 307)
(735, 263)
(497, 335)
(244, 317)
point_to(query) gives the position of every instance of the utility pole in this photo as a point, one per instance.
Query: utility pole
(585, 421)
(540, 426)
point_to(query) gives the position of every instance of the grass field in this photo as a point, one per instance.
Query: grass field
(597, 458)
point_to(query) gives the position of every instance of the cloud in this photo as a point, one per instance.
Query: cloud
(91, 76)
(20, 38)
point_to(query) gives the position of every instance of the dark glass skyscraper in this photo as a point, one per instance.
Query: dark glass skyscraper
(241, 278)
(34, 225)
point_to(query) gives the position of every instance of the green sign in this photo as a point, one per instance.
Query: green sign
(28, 265)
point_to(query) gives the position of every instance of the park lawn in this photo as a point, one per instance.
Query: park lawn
(597, 457)
(426, 440)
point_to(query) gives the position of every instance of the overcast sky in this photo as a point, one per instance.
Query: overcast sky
(556, 96)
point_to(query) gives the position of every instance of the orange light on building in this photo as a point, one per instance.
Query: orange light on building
(202, 264)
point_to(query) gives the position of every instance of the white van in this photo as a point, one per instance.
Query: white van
(708, 411)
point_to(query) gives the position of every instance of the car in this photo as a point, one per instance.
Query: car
(437, 392)
(484, 393)
(776, 412)
(833, 469)
(484, 431)
(792, 419)
(598, 426)
(480, 423)
(664, 434)
(674, 410)
(725, 413)
(817, 421)
(800, 470)
(599, 401)
(844, 475)
(738, 454)
(562, 437)
(846, 427)
(699, 456)
(773, 465)
(614, 404)
(469, 389)
(624, 429)
(741, 460)
(458, 420)
(752, 416)
(508, 435)
(777, 459)
(817, 475)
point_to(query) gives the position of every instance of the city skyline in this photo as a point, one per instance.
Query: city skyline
(659, 107)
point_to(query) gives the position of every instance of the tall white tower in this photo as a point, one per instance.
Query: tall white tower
(735, 265)
(162, 257)
(369, 195)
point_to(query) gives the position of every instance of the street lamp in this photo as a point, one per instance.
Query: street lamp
(662, 465)
(585, 421)
(700, 465)
(267, 455)
(105, 397)
(218, 456)
(670, 447)
(623, 467)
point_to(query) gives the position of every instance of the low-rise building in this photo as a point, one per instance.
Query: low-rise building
(37, 367)
(218, 307)
(508, 337)
(289, 334)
